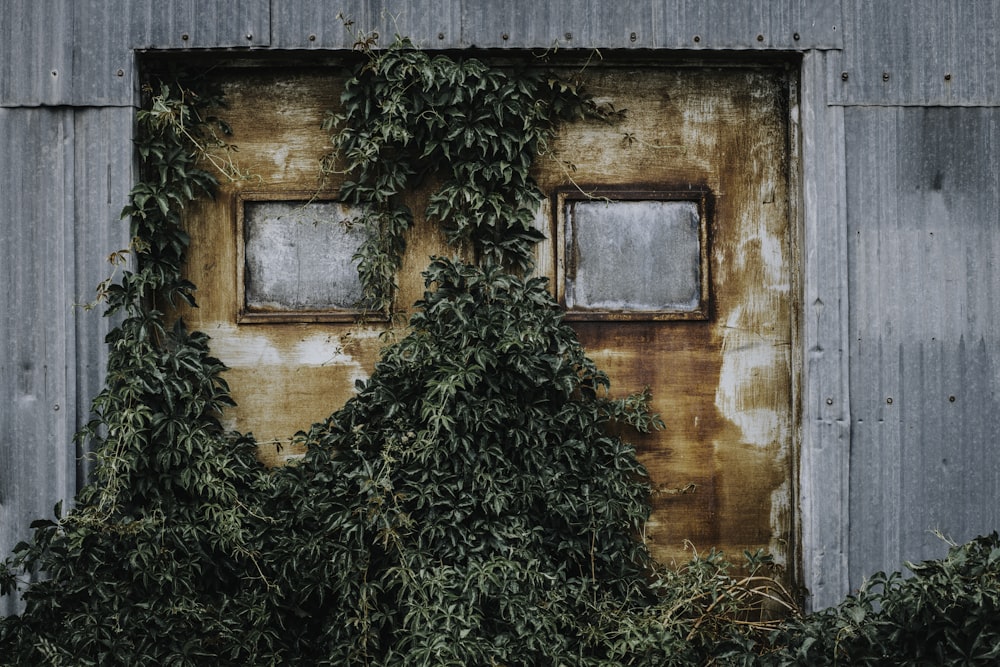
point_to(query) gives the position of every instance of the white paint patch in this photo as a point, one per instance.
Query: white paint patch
(320, 350)
(236, 348)
(749, 363)
(772, 252)
(242, 347)
(280, 158)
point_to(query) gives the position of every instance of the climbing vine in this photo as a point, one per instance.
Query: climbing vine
(472, 129)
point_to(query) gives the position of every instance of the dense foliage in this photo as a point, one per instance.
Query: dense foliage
(946, 613)
(473, 504)
(467, 507)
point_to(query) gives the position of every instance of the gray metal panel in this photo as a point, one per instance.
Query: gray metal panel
(751, 24)
(919, 52)
(55, 52)
(103, 177)
(718, 24)
(924, 221)
(196, 24)
(314, 24)
(80, 52)
(64, 176)
(825, 450)
(37, 417)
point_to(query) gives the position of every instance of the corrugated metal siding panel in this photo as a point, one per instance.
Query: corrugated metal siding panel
(924, 223)
(719, 24)
(36, 51)
(826, 429)
(59, 52)
(919, 52)
(102, 179)
(314, 24)
(753, 24)
(80, 52)
(65, 174)
(206, 23)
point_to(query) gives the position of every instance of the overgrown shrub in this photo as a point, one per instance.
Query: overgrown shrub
(468, 506)
(946, 613)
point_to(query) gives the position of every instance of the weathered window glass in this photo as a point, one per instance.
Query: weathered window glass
(634, 256)
(297, 259)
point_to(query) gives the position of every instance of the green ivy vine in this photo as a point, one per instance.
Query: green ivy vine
(472, 129)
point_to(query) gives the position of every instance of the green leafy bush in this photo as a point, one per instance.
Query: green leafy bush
(468, 505)
(946, 613)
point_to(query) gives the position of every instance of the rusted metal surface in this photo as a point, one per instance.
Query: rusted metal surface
(722, 469)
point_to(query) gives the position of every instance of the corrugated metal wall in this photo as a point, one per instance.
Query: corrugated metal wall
(924, 241)
(899, 190)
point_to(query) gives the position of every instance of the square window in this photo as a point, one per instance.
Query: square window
(633, 255)
(296, 258)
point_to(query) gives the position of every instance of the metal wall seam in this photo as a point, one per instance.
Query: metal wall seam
(824, 463)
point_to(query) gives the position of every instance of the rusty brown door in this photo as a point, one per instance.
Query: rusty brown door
(670, 244)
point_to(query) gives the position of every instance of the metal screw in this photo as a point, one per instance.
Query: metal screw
(249, 36)
(951, 399)
(55, 73)
(829, 401)
(120, 72)
(795, 37)
(760, 38)
(889, 400)
(184, 37)
(440, 35)
(312, 38)
(505, 37)
(568, 36)
(843, 76)
(56, 407)
(697, 38)
(947, 77)
(885, 76)
(632, 37)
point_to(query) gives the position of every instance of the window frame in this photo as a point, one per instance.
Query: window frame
(248, 315)
(700, 196)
